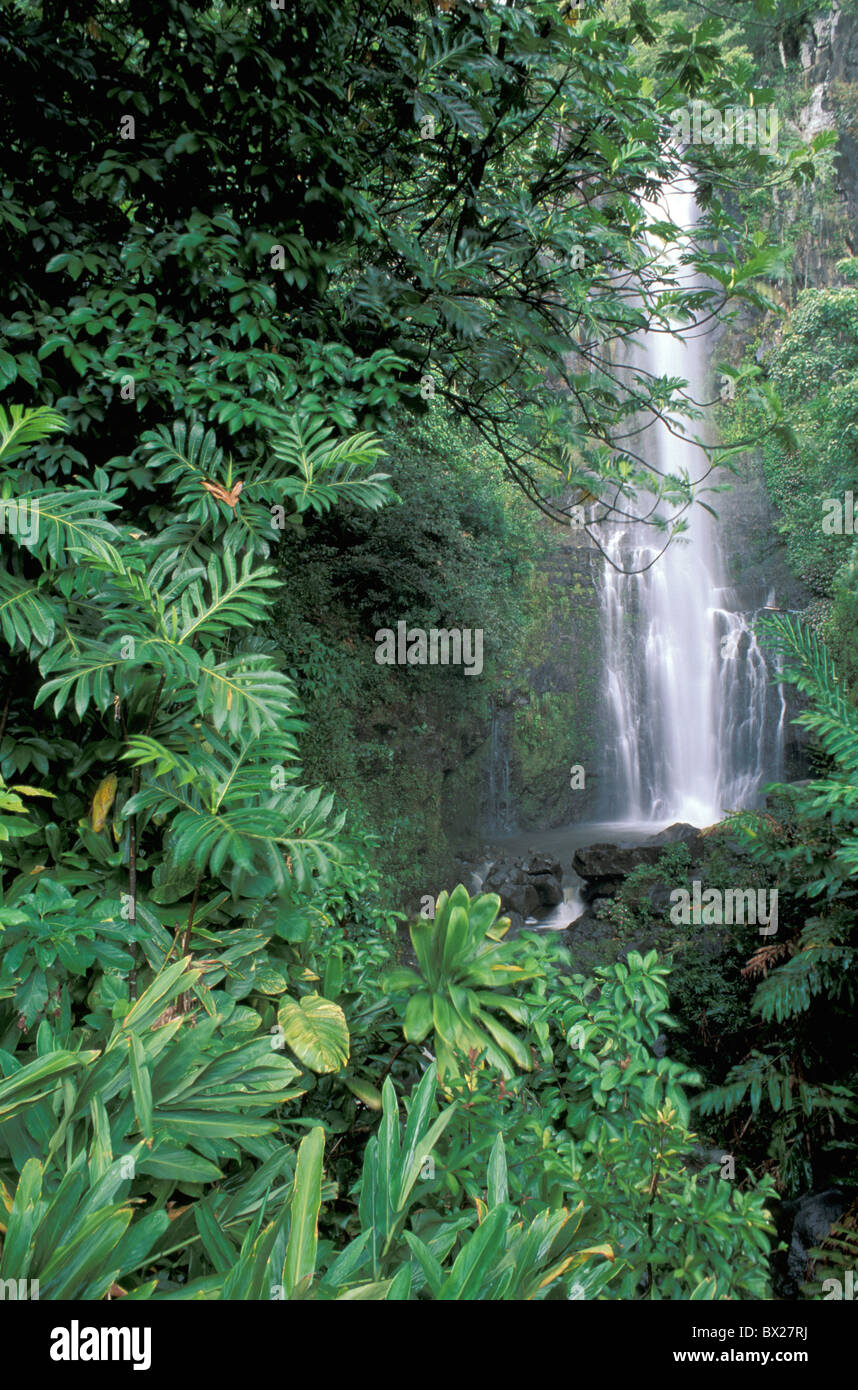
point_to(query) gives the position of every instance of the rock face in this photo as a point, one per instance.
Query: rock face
(829, 58)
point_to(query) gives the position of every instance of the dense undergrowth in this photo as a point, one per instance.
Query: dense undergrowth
(222, 468)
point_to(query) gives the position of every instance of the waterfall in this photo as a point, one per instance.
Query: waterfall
(499, 811)
(694, 717)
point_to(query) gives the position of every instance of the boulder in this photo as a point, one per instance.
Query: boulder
(516, 924)
(803, 1223)
(681, 833)
(502, 875)
(680, 830)
(590, 943)
(658, 897)
(521, 898)
(603, 867)
(549, 890)
(529, 887)
(544, 864)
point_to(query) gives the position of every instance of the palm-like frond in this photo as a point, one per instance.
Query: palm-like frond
(227, 599)
(832, 718)
(65, 522)
(305, 467)
(28, 615)
(244, 692)
(184, 455)
(233, 812)
(20, 428)
(323, 472)
(809, 666)
(97, 670)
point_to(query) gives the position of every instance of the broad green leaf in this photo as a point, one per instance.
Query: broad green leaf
(300, 1262)
(316, 1030)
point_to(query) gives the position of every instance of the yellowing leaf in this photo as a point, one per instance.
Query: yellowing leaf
(605, 1250)
(316, 1031)
(365, 1093)
(103, 800)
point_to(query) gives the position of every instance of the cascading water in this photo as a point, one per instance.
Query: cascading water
(694, 717)
(500, 811)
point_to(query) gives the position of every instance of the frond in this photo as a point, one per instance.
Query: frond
(28, 616)
(244, 692)
(20, 427)
(230, 598)
(185, 455)
(325, 472)
(58, 523)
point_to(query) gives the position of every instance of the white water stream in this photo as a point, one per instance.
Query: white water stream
(693, 718)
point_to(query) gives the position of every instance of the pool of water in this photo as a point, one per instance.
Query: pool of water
(561, 843)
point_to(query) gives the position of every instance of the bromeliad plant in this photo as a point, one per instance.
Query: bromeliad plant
(465, 971)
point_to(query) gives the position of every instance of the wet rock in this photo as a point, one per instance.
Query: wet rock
(530, 887)
(516, 924)
(659, 899)
(501, 876)
(682, 833)
(549, 890)
(590, 942)
(521, 898)
(603, 867)
(544, 864)
(680, 830)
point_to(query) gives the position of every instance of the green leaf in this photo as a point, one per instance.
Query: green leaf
(498, 1190)
(300, 1263)
(316, 1030)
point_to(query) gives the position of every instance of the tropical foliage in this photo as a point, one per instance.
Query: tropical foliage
(302, 300)
(800, 1073)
